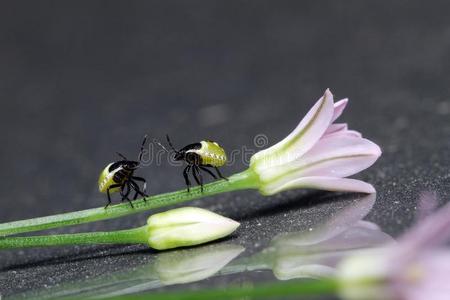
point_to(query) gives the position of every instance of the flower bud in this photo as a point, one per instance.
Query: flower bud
(187, 226)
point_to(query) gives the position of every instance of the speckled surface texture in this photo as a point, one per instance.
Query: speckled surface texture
(81, 80)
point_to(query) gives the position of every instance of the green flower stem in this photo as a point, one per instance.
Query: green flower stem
(244, 180)
(128, 236)
(276, 290)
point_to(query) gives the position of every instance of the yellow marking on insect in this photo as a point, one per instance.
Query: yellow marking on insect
(211, 154)
(105, 180)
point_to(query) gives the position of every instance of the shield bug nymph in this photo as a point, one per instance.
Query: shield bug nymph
(200, 157)
(119, 177)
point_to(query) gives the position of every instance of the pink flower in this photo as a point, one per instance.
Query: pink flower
(417, 268)
(318, 154)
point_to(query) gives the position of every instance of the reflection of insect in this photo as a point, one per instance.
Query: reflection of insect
(118, 176)
(200, 156)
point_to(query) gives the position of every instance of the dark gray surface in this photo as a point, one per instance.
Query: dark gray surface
(81, 80)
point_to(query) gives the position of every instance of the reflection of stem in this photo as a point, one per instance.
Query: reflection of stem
(259, 261)
(244, 180)
(160, 271)
(262, 260)
(266, 290)
(103, 284)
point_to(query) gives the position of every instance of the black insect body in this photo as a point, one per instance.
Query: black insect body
(119, 177)
(200, 157)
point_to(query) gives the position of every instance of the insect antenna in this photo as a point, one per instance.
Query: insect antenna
(170, 144)
(161, 145)
(141, 152)
(122, 156)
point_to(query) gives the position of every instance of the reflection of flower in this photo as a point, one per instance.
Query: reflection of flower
(187, 226)
(167, 268)
(194, 264)
(416, 268)
(315, 253)
(317, 154)
(320, 260)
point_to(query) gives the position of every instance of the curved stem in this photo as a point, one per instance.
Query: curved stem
(128, 236)
(244, 180)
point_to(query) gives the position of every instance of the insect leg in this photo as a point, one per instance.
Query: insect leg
(113, 186)
(220, 174)
(125, 197)
(124, 190)
(135, 195)
(109, 198)
(144, 188)
(137, 190)
(121, 192)
(208, 171)
(198, 177)
(186, 177)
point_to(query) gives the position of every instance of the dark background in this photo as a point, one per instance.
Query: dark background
(80, 80)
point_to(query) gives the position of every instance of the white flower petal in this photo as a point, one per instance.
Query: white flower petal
(299, 141)
(352, 133)
(334, 155)
(321, 183)
(339, 108)
(338, 156)
(338, 127)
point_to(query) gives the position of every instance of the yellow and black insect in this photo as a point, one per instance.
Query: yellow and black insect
(199, 157)
(119, 176)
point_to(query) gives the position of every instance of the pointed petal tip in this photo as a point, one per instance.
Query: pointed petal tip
(231, 224)
(373, 148)
(328, 93)
(329, 99)
(341, 102)
(369, 189)
(235, 224)
(340, 105)
(377, 150)
(339, 108)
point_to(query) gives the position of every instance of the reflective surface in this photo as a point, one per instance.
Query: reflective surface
(79, 81)
(310, 253)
